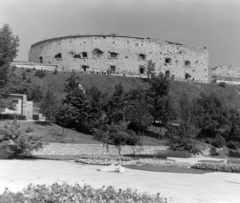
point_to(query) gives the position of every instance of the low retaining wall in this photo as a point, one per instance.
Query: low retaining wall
(94, 149)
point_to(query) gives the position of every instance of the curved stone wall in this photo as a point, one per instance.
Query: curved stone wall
(123, 55)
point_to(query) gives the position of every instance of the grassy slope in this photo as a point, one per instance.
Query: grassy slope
(53, 133)
(106, 84)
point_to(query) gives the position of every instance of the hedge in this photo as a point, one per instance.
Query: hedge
(221, 167)
(58, 193)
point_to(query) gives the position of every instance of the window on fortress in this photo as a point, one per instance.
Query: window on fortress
(187, 76)
(77, 56)
(142, 56)
(41, 59)
(187, 63)
(141, 70)
(113, 54)
(85, 68)
(84, 54)
(58, 56)
(97, 52)
(168, 60)
(167, 73)
(113, 69)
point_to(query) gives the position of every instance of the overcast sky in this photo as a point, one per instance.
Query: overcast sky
(211, 23)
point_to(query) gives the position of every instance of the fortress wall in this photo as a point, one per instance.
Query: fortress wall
(132, 53)
(227, 73)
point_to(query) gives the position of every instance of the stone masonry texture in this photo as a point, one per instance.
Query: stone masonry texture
(123, 55)
(94, 149)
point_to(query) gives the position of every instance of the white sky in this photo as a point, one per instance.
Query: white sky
(211, 23)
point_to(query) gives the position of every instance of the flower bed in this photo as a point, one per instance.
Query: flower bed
(136, 162)
(221, 167)
(65, 193)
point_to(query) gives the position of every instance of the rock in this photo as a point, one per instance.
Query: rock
(114, 168)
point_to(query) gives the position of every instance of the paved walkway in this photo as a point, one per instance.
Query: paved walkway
(183, 188)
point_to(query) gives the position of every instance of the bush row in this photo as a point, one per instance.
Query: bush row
(137, 162)
(12, 116)
(221, 167)
(65, 193)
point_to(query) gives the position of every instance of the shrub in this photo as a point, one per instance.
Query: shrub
(221, 167)
(183, 138)
(222, 84)
(66, 193)
(55, 71)
(29, 130)
(28, 70)
(12, 117)
(14, 143)
(219, 141)
(232, 144)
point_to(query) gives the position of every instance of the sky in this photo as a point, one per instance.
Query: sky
(214, 24)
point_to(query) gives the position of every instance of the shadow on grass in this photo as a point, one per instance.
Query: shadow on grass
(168, 169)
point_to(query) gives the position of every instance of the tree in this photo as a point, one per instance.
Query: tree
(65, 116)
(150, 68)
(117, 107)
(14, 143)
(48, 105)
(160, 100)
(138, 110)
(183, 137)
(8, 51)
(211, 113)
(72, 83)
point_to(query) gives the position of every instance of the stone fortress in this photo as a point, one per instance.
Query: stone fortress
(122, 55)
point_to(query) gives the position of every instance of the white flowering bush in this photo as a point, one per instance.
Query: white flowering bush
(63, 193)
(136, 162)
(221, 167)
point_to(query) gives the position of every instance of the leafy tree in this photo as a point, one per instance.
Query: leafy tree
(183, 138)
(85, 118)
(72, 83)
(211, 114)
(160, 100)
(150, 68)
(233, 138)
(15, 143)
(8, 51)
(98, 103)
(138, 110)
(65, 116)
(117, 106)
(48, 105)
(117, 135)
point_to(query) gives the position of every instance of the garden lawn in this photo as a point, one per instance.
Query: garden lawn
(168, 169)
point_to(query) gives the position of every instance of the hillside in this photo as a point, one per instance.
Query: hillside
(106, 84)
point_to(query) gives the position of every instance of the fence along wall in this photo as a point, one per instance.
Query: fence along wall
(123, 55)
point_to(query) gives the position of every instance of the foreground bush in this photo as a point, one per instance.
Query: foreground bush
(136, 162)
(221, 167)
(65, 193)
(12, 117)
(14, 143)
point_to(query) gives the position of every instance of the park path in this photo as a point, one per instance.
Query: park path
(182, 188)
